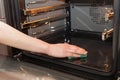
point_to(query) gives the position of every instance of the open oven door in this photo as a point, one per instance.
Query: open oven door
(91, 24)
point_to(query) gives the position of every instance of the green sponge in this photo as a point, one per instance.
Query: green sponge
(82, 57)
(71, 58)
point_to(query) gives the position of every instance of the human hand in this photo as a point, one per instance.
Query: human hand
(65, 50)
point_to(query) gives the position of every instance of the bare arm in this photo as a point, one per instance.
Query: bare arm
(12, 37)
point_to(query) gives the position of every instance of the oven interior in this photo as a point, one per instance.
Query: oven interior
(85, 23)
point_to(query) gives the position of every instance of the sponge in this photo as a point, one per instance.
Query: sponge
(82, 57)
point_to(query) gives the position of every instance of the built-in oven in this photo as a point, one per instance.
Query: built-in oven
(90, 24)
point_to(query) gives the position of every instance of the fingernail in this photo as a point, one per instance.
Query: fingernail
(86, 52)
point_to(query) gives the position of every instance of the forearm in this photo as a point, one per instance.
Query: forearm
(14, 38)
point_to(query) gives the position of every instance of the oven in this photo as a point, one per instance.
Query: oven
(91, 24)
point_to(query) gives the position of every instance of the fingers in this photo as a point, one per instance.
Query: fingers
(73, 55)
(66, 50)
(76, 50)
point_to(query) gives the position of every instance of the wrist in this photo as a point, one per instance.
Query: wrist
(47, 49)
